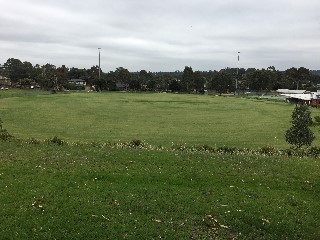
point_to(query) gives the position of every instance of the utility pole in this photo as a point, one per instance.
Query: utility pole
(99, 63)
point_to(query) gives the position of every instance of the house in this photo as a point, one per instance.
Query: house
(77, 82)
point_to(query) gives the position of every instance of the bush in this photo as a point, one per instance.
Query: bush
(55, 140)
(314, 151)
(4, 134)
(267, 150)
(299, 133)
(136, 142)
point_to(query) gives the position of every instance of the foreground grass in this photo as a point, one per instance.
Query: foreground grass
(85, 192)
(158, 118)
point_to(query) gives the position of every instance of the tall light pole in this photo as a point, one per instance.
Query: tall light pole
(237, 71)
(99, 63)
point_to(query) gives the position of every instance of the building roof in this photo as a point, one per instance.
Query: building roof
(288, 91)
(306, 97)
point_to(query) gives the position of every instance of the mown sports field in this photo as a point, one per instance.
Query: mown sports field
(90, 188)
(158, 119)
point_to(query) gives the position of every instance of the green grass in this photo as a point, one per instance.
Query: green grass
(83, 192)
(159, 119)
(21, 93)
(92, 191)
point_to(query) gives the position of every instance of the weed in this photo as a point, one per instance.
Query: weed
(227, 150)
(4, 134)
(136, 142)
(268, 151)
(55, 140)
(314, 151)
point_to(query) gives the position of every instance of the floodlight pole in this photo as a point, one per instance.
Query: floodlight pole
(237, 72)
(99, 63)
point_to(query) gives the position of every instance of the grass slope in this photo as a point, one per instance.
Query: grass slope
(83, 192)
(159, 119)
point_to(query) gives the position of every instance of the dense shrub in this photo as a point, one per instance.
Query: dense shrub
(300, 134)
(4, 134)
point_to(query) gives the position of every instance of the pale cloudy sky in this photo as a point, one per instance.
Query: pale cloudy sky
(164, 35)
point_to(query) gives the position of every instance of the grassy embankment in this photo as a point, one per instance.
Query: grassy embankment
(82, 192)
(93, 192)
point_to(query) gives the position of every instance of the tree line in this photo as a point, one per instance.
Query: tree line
(225, 80)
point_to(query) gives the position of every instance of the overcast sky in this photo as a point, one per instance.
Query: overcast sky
(164, 35)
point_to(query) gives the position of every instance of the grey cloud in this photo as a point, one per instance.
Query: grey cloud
(162, 35)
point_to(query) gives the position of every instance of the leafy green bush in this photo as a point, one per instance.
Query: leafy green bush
(4, 134)
(300, 134)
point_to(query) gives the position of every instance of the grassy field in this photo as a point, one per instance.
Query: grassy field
(72, 192)
(86, 190)
(158, 119)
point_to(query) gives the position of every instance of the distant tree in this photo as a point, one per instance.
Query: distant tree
(198, 81)
(27, 70)
(92, 73)
(14, 69)
(48, 78)
(175, 86)
(146, 80)
(134, 83)
(62, 76)
(151, 85)
(260, 80)
(111, 83)
(76, 73)
(123, 76)
(187, 79)
(222, 81)
(300, 134)
(145, 77)
(163, 82)
(295, 77)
